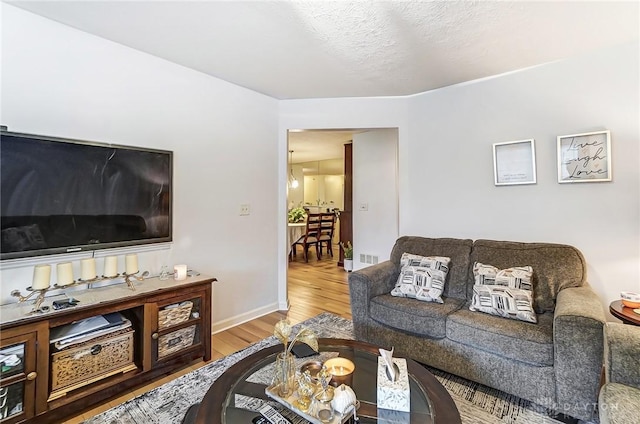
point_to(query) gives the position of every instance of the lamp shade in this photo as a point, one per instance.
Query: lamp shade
(293, 183)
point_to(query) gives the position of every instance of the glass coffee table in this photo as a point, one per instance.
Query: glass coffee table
(239, 392)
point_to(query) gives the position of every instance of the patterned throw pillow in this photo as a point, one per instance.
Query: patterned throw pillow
(504, 292)
(422, 277)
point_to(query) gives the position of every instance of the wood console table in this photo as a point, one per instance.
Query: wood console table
(27, 336)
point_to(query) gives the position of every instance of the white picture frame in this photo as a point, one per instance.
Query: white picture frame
(514, 162)
(584, 158)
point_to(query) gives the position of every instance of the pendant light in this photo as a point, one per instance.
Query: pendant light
(292, 179)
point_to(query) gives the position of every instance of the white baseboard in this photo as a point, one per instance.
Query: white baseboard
(217, 327)
(284, 306)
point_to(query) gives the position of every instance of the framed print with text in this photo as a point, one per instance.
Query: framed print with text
(584, 158)
(514, 162)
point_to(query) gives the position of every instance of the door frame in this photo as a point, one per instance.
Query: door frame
(283, 261)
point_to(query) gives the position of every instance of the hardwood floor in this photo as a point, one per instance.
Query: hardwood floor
(314, 287)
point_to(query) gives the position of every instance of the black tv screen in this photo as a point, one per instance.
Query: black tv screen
(62, 195)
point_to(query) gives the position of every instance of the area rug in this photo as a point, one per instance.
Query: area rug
(168, 403)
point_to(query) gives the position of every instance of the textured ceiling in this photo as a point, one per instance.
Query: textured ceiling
(317, 145)
(308, 49)
(316, 49)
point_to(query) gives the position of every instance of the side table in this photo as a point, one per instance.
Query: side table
(623, 313)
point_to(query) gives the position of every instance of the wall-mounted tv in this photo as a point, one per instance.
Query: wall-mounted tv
(62, 195)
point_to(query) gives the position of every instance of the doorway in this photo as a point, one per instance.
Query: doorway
(375, 209)
(317, 183)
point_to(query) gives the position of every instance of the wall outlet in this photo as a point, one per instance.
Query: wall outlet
(245, 210)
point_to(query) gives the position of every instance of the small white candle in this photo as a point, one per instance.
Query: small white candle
(41, 277)
(65, 274)
(110, 266)
(131, 264)
(180, 272)
(88, 269)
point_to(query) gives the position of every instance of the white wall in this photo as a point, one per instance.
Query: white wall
(62, 82)
(375, 185)
(366, 113)
(313, 190)
(334, 191)
(455, 127)
(445, 139)
(325, 191)
(295, 196)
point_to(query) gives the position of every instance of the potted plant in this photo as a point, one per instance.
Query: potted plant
(296, 215)
(348, 255)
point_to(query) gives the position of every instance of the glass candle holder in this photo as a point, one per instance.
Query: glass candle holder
(341, 370)
(180, 272)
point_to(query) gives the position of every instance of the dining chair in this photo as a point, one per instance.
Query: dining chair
(310, 237)
(327, 228)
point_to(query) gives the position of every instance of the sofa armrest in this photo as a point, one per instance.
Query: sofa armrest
(578, 340)
(622, 354)
(369, 282)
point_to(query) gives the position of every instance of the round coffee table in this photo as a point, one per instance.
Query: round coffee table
(236, 395)
(623, 313)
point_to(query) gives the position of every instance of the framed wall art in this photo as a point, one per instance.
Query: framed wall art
(584, 158)
(514, 162)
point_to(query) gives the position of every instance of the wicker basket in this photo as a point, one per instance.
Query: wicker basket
(175, 341)
(172, 316)
(91, 361)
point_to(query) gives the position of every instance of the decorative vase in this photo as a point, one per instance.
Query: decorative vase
(285, 373)
(348, 265)
(344, 399)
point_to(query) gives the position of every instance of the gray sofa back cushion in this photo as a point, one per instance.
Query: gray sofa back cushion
(457, 249)
(555, 266)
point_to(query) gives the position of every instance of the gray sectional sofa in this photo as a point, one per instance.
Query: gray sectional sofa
(555, 363)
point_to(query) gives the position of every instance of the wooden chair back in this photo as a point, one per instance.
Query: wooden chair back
(327, 224)
(314, 225)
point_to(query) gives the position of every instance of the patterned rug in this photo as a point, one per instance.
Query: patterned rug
(168, 403)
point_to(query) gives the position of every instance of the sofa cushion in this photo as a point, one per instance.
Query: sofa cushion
(422, 277)
(517, 340)
(457, 250)
(503, 292)
(518, 277)
(619, 404)
(557, 266)
(413, 316)
(503, 302)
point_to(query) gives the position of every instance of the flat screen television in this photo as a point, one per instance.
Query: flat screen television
(62, 195)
